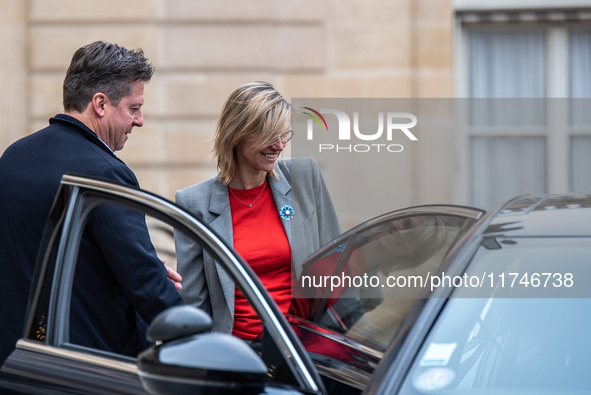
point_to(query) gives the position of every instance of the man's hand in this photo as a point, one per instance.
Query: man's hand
(173, 276)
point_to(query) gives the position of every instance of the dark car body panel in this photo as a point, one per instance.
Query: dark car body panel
(65, 371)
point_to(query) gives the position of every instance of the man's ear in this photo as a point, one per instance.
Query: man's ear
(99, 101)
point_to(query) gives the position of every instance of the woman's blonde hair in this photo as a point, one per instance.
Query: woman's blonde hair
(253, 111)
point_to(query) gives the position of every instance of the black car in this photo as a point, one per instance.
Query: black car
(431, 299)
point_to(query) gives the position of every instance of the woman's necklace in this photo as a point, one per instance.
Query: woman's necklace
(257, 198)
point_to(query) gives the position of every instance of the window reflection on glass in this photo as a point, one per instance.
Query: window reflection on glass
(499, 345)
(506, 345)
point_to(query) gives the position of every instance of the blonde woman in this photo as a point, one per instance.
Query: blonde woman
(274, 212)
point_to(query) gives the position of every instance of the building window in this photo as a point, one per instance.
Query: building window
(528, 125)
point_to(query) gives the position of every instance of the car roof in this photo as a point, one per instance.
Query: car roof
(544, 216)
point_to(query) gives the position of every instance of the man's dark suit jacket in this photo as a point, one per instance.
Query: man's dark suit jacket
(118, 271)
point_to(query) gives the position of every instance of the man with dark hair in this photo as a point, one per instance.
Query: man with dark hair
(119, 277)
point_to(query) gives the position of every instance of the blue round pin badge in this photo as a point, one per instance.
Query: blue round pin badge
(286, 212)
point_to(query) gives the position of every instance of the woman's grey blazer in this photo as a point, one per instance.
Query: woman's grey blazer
(299, 184)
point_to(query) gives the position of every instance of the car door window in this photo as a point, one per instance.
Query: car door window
(112, 276)
(366, 285)
(162, 237)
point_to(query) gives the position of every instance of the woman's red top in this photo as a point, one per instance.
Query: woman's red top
(260, 239)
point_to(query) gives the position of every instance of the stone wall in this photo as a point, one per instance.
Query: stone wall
(203, 49)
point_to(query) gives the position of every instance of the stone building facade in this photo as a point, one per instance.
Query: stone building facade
(203, 49)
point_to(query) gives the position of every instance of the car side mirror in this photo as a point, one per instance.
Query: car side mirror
(177, 322)
(188, 359)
